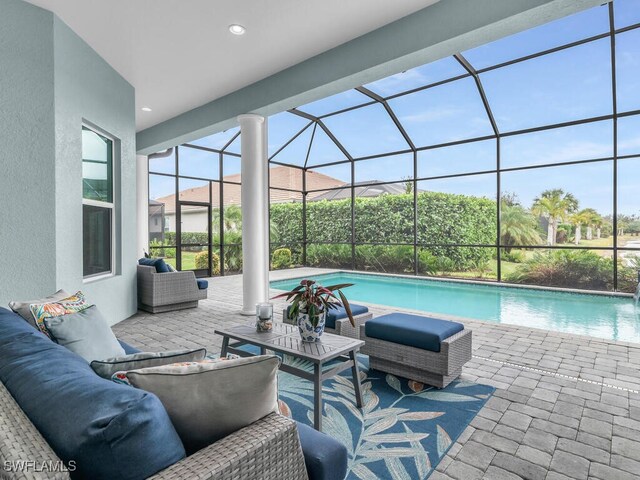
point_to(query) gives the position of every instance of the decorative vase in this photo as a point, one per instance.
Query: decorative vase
(308, 332)
(264, 317)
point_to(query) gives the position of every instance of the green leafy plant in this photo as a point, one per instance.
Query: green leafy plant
(281, 258)
(566, 268)
(313, 299)
(518, 227)
(513, 256)
(158, 249)
(202, 262)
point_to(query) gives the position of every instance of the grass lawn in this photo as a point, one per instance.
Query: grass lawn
(608, 242)
(188, 261)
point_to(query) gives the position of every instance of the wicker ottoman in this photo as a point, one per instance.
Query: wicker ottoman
(424, 349)
(337, 321)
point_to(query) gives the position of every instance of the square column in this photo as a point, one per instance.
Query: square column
(255, 212)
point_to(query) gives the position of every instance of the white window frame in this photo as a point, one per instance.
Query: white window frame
(106, 205)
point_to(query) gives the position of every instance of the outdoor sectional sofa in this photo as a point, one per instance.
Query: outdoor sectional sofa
(54, 409)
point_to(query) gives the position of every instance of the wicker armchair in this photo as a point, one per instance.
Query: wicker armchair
(267, 449)
(165, 292)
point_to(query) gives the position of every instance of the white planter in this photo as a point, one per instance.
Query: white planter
(308, 332)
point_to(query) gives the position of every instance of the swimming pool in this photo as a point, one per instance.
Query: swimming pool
(603, 316)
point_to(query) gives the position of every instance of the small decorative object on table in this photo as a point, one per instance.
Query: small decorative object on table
(264, 317)
(311, 302)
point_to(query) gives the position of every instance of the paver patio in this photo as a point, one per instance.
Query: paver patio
(566, 406)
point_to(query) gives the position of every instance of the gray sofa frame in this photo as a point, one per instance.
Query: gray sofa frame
(268, 449)
(165, 292)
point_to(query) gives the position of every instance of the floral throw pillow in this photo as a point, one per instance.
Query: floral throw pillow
(72, 304)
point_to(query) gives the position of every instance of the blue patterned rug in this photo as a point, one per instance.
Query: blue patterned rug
(405, 427)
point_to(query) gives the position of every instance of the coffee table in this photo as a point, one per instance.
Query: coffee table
(285, 339)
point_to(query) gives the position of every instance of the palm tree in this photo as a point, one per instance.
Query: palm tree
(592, 219)
(408, 184)
(579, 219)
(517, 227)
(554, 205)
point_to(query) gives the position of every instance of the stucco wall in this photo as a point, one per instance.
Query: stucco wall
(27, 152)
(88, 89)
(54, 82)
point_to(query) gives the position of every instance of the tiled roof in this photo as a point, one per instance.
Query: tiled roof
(362, 189)
(280, 177)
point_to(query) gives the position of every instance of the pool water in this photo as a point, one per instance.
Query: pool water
(603, 316)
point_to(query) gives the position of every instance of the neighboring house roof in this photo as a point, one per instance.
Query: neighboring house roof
(362, 189)
(280, 177)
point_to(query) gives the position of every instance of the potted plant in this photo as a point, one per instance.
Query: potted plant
(310, 304)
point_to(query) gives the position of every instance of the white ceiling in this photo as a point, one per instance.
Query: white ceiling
(179, 54)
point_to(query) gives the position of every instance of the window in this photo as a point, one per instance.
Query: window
(97, 204)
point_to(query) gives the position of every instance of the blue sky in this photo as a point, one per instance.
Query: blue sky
(564, 86)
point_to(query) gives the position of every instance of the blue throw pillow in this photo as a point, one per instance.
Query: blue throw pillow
(159, 263)
(108, 430)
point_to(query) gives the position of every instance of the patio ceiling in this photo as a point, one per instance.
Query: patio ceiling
(179, 54)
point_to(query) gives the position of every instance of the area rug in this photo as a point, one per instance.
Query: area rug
(404, 429)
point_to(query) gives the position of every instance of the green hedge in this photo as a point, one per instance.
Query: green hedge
(442, 218)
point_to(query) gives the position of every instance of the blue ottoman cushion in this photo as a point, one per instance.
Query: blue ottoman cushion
(339, 313)
(324, 457)
(159, 263)
(109, 430)
(202, 284)
(412, 330)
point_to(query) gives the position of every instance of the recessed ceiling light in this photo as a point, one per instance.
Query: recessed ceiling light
(237, 29)
(146, 109)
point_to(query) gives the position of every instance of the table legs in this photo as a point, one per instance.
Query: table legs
(225, 346)
(317, 396)
(356, 378)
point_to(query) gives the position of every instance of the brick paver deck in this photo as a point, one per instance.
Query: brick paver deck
(566, 406)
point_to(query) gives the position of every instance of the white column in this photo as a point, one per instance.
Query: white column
(255, 212)
(142, 204)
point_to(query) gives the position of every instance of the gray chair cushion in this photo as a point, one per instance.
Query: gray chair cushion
(85, 333)
(106, 368)
(208, 401)
(22, 308)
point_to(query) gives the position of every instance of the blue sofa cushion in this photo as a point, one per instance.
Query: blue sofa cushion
(339, 313)
(413, 330)
(109, 430)
(202, 283)
(324, 457)
(159, 263)
(128, 349)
